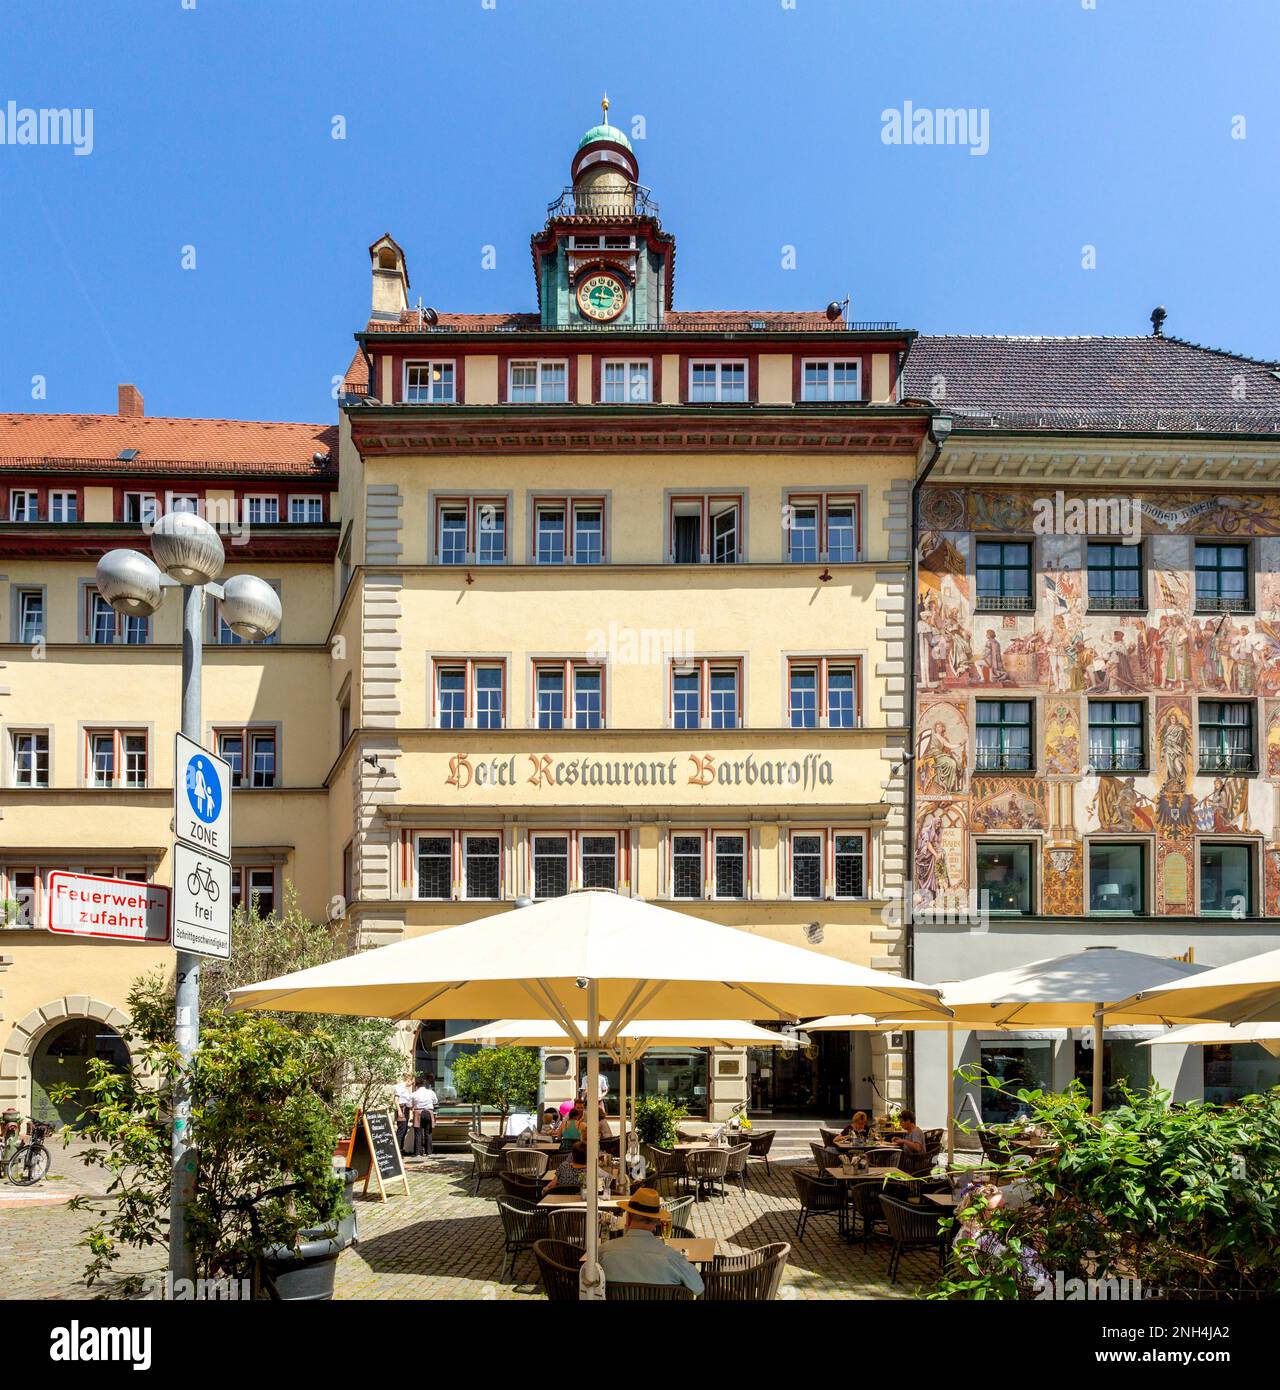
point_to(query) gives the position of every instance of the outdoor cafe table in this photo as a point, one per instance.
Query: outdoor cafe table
(850, 1175)
(573, 1199)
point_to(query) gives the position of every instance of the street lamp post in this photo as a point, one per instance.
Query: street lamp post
(190, 554)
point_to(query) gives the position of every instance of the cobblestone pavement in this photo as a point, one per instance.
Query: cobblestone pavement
(444, 1242)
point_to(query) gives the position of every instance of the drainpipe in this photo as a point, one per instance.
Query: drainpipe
(939, 431)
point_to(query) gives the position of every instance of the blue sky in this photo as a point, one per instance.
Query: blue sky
(1110, 126)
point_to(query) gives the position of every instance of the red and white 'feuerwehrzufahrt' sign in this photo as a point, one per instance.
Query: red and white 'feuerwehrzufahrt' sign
(86, 905)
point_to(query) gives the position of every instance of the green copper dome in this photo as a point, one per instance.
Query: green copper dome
(605, 132)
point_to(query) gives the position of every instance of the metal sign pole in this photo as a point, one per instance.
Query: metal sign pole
(187, 1018)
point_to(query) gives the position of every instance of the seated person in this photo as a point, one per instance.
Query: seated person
(859, 1127)
(550, 1121)
(571, 1173)
(572, 1127)
(911, 1136)
(640, 1256)
(605, 1131)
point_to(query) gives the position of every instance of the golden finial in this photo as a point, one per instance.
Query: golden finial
(604, 106)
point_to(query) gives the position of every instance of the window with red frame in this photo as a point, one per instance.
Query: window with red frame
(469, 693)
(822, 693)
(822, 528)
(471, 530)
(705, 529)
(706, 693)
(568, 694)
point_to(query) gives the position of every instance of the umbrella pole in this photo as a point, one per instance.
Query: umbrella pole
(951, 1095)
(591, 1280)
(623, 1184)
(1097, 1059)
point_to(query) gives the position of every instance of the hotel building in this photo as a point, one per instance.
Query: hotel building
(1097, 683)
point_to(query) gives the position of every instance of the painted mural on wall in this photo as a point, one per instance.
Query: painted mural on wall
(1168, 658)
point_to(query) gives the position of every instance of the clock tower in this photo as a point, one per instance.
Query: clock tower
(603, 260)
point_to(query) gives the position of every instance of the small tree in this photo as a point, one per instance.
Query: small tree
(657, 1119)
(263, 1135)
(500, 1077)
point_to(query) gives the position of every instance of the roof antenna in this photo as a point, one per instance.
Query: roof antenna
(1158, 317)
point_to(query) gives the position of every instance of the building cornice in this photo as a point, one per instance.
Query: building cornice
(26, 540)
(384, 431)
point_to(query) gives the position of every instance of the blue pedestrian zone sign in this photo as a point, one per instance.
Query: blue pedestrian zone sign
(201, 800)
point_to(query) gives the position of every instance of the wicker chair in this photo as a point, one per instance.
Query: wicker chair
(568, 1225)
(761, 1143)
(610, 1146)
(829, 1136)
(913, 1228)
(525, 1189)
(525, 1163)
(488, 1162)
(664, 1164)
(736, 1169)
(681, 1209)
(750, 1278)
(933, 1141)
(994, 1145)
(707, 1169)
(647, 1293)
(864, 1203)
(823, 1157)
(818, 1195)
(558, 1264)
(523, 1223)
(884, 1158)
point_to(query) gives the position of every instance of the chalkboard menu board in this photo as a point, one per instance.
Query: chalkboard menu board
(374, 1152)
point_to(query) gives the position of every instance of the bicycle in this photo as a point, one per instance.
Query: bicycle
(202, 877)
(29, 1163)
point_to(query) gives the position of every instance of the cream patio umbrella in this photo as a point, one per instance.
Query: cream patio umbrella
(1071, 991)
(631, 1043)
(1246, 991)
(862, 1023)
(1213, 1034)
(625, 959)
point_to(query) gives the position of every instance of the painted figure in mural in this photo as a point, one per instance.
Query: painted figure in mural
(942, 763)
(1172, 665)
(1240, 655)
(993, 671)
(1115, 672)
(1208, 650)
(1119, 805)
(931, 858)
(1061, 741)
(1226, 808)
(1174, 738)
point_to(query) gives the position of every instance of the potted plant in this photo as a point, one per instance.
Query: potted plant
(657, 1119)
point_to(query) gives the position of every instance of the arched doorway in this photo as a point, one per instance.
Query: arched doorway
(61, 1058)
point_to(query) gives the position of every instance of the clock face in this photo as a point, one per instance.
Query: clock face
(601, 297)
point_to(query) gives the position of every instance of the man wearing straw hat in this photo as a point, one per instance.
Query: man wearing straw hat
(641, 1256)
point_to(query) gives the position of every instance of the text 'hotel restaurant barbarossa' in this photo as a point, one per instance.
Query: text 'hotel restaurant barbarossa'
(612, 595)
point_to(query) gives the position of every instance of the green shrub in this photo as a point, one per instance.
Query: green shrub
(656, 1120)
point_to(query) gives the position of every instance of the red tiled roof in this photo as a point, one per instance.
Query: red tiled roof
(1135, 383)
(164, 444)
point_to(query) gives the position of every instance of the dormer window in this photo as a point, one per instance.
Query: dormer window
(717, 382)
(538, 383)
(831, 381)
(429, 383)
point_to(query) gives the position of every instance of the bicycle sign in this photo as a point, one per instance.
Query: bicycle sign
(201, 798)
(201, 903)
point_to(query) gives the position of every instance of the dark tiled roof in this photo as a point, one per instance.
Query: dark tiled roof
(1094, 383)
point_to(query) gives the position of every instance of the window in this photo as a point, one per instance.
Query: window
(705, 530)
(720, 382)
(842, 533)
(490, 700)
(842, 707)
(24, 504)
(600, 861)
(588, 535)
(543, 383)
(30, 614)
(429, 383)
(1004, 875)
(830, 381)
(1116, 741)
(628, 383)
(258, 746)
(686, 866)
(568, 694)
(803, 697)
(806, 865)
(1115, 577)
(1117, 877)
(802, 534)
(140, 507)
(183, 502)
(306, 511)
(550, 866)
(1222, 578)
(730, 866)
(821, 527)
(30, 758)
(261, 511)
(549, 545)
(1004, 576)
(471, 530)
(435, 866)
(1226, 879)
(482, 865)
(849, 861)
(63, 506)
(102, 620)
(1226, 736)
(257, 887)
(706, 694)
(451, 685)
(116, 758)
(822, 693)
(1004, 736)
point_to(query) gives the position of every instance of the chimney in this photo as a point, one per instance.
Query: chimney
(129, 402)
(390, 278)
(1158, 316)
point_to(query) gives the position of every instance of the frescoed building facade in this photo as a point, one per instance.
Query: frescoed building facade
(1097, 649)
